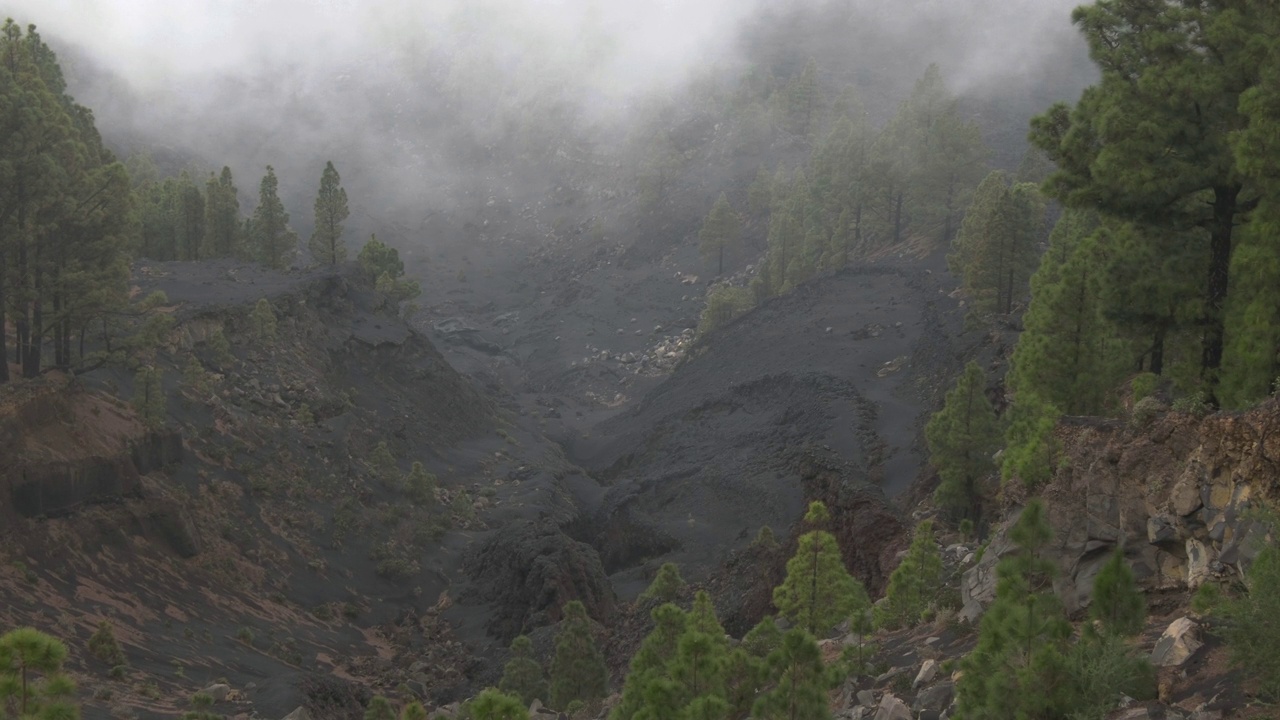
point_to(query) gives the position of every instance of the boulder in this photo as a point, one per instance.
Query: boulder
(1162, 529)
(928, 671)
(217, 691)
(1178, 643)
(891, 708)
(1200, 558)
(936, 698)
(867, 698)
(299, 713)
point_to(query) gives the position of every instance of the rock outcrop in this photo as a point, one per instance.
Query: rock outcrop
(1175, 495)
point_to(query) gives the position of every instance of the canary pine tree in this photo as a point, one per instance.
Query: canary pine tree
(721, 232)
(32, 683)
(1152, 141)
(914, 584)
(818, 592)
(522, 676)
(274, 243)
(326, 244)
(1011, 672)
(799, 691)
(577, 670)
(962, 438)
(1118, 605)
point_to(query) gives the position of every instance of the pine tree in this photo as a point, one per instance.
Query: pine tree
(274, 243)
(32, 684)
(721, 232)
(421, 486)
(799, 690)
(148, 397)
(818, 591)
(263, 321)
(1149, 293)
(666, 584)
(577, 671)
(494, 705)
(221, 348)
(914, 583)
(65, 207)
(1251, 631)
(1118, 605)
(222, 230)
(698, 668)
(1151, 142)
(379, 709)
(1031, 450)
(191, 216)
(326, 243)
(1015, 669)
(649, 664)
(1065, 356)
(383, 464)
(194, 377)
(962, 438)
(522, 675)
(377, 258)
(1251, 361)
(997, 246)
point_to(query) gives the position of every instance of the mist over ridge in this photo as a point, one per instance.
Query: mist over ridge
(420, 104)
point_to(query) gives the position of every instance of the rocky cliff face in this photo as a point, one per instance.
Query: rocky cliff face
(66, 449)
(1175, 494)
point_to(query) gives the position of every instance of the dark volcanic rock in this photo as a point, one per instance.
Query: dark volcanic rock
(528, 571)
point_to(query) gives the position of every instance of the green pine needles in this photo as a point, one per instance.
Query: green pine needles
(914, 584)
(818, 592)
(962, 439)
(522, 676)
(577, 671)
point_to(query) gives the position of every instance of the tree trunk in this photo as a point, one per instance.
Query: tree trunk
(35, 342)
(1157, 349)
(1225, 204)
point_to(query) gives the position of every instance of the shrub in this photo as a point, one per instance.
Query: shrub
(103, 645)
(1143, 385)
(245, 635)
(724, 303)
(397, 569)
(1193, 404)
(263, 321)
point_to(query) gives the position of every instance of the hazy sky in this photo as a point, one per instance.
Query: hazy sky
(385, 86)
(618, 44)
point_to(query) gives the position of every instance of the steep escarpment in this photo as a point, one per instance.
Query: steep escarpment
(1174, 493)
(248, 533)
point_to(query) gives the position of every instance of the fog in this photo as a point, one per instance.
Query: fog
(420, 102)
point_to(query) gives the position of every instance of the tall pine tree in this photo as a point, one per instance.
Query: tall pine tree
(1152, 142)
(327, 245)
(818, 592)
(962, 439)
(274, 243)
(721, 233)
(577, 671)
